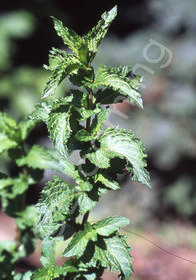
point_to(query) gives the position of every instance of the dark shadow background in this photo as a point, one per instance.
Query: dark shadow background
(79, 15)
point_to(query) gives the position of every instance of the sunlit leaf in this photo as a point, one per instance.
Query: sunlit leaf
(116, 83)
(121, 143)
(52, 207)
(96, 35)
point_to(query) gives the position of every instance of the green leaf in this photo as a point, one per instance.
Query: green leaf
(26, 126)
(49, 273)
(59, 125)
(125, 72)
(116, 81)
(67, 165)
(79, 242)
(42, 273)
(80, 98)
(85, 47)
(6, 245)
(72, 40)
(113, 252)
(83, 135)
(9, 127)
(84, 185)
(27, 275)
(107, 226)
(18, 186)
(63, 117)
(42, 111)
(7, 249)
(49, 270)
(72, 110)
(27, 219)
(123, 144)
(41, 158)
(92, 276)
(104, 227)
(44, 108)
(11, 190)
(86, 202)
(71, 265)
(96, 35)
(98, 120)
(85, 114)
(80, 271)
(6, 143)
(57, 201)
(82, 77)
(21, 276)
(107, 181)
(61, 65)
(47, 253)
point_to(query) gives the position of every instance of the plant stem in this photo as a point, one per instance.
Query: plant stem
(85, 218)
(24, 194)
(23, 204)
(88, 122)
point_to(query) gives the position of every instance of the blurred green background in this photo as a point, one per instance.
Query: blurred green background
(167, 123)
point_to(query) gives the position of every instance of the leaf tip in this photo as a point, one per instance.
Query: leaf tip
(115, 8)
(113, 12)
(54, 19)
(141, 105)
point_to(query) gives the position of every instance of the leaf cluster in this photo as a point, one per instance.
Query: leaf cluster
(75, 122)
(30, 163)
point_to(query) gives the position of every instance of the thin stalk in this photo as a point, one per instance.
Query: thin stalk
(23, 204)
(90, 97)
(88, 122)
(24, 194)
(85, 218)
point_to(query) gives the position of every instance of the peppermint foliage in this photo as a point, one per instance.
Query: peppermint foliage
(49, 270)
(116, 79)
(75, 122)
(30, 161)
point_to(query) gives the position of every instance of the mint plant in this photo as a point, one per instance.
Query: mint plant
(13, 194)
(29, 163)
(75, 123)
